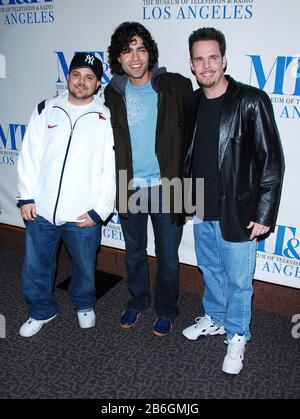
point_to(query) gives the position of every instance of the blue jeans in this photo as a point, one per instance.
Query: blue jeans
(42, 241)
(167, 239)
(228, 270)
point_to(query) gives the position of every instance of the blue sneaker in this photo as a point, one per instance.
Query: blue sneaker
(162, 327)
(129, 318)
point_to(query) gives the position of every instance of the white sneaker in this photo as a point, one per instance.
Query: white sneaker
(32, 326)
(233, 361)
(204, 326)
(86, 319)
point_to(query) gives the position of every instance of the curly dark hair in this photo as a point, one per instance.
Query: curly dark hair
(208, 34)
(121, 39)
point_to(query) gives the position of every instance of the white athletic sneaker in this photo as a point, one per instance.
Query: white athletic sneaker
(204, 326)
(32, 326)
(233, 361)
(86, 319)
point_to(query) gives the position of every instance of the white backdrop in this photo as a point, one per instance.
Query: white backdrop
(39, 37)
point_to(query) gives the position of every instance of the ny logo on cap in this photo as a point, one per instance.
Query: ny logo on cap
(90, 59)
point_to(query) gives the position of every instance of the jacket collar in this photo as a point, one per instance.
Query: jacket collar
(97, 102)
(232, 88)
(228, 116)
(119, 81)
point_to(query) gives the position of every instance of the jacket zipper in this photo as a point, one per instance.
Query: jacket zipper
(66, 155)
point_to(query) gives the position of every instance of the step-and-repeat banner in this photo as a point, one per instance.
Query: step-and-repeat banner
(38, 38)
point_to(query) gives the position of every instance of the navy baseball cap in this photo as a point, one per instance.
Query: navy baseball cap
(85, 59)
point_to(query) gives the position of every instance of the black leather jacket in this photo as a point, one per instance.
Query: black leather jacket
(251, 162)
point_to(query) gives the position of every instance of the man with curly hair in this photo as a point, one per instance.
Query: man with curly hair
(147, 113)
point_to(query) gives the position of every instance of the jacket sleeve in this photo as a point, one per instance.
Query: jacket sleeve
(106, 202)
(30, 156)
(269, 160)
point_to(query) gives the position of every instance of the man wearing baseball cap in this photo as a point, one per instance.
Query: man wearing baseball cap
(66, 180)
(83, 59)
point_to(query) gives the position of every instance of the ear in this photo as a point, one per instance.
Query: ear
(224, 65)
(192, 65)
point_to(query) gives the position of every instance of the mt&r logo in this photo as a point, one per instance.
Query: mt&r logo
(21, 12)
(281, 80)
(63, 69)
(11, 137)
(280, 253)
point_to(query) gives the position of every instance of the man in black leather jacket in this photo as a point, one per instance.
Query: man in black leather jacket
(233, 143)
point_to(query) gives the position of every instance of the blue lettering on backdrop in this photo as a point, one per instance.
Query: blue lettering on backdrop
(61, 65)
(113, 229)
(287, 244)
(280, 268)
(10, 143)
(15, 2)
(29, 18)
(113, 234)
(278, 69)
(29, 12)
(156, 13)
(7, 160)
(199, 12)
(290, 113)
(13, 138)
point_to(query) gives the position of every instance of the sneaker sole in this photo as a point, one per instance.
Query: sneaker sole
(203, 336)
(32, 334)
(160, 334)
(235, 372)
(131, 325)
(87, 327)
(128, 326)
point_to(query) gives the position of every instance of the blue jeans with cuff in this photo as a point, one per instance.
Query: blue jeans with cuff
(167, 237)
(228, 270)
(42, 241)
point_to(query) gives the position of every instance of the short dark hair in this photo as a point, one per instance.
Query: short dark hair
(208, 34)
(122, 38)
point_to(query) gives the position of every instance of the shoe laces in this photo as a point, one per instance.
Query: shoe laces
(202, 322)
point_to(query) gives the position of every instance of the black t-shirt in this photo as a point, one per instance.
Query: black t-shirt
(205, 154)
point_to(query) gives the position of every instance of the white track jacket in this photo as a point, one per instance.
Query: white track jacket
(68, 168)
